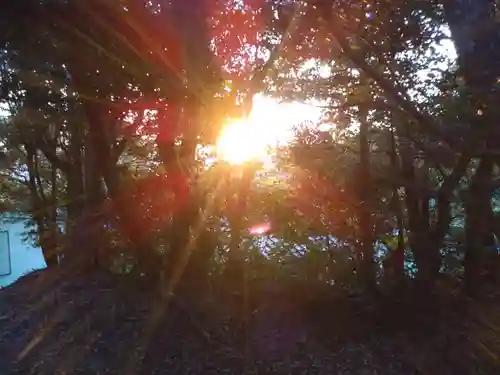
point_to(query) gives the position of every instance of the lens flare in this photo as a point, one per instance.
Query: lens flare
(260, 229)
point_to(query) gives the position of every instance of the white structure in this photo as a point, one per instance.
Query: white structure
(17, 257)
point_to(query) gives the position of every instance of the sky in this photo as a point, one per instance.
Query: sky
(272, 122)
(269, 124)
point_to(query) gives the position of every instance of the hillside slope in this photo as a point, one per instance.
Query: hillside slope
(100, 324)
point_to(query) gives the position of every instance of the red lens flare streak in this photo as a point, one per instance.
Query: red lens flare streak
(260, 229)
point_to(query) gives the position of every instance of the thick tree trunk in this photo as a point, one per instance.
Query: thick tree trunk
(476, 34)
(425, 249)
(95, 194)
(365, 186)
(101, 173)
(189, 17)
(479, 216)
(178, 162)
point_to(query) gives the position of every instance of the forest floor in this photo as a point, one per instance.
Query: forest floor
(100, 324)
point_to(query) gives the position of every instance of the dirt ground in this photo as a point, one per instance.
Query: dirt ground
(96, 324)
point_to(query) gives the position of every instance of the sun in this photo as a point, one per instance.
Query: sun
(239, 142)
(269, 124)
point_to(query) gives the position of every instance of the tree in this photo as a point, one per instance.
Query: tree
(478, 47)
(105, 112)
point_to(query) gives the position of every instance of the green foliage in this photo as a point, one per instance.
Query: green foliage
(106, 113)
(110, 111)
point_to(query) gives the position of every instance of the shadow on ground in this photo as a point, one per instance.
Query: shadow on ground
(100, 324)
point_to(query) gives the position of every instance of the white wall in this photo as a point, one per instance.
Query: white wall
(24, 258)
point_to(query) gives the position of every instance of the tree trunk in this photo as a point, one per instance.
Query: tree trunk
(476, 33)
(365, 186)
(425, 250)
(398, 256)
(95, 194)
(189, 17)
(235, 268)
(47, 242)
(178, 163)
(75, 195)
(101, 172)
(53, 226)
(394, 265)
(195, 278)
(479, 216)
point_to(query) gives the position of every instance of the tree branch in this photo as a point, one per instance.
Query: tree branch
(49, 152)
(257, 80)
